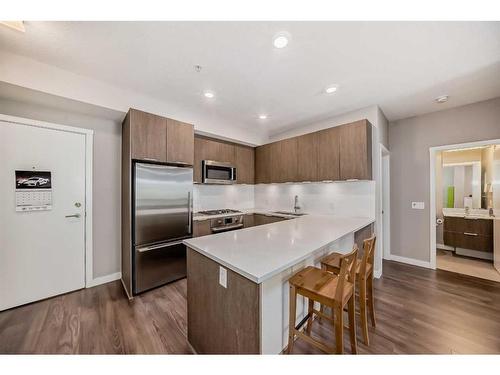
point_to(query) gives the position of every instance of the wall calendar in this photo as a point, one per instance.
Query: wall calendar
(33, 190)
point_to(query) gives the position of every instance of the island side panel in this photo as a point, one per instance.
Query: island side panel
(275, 298)
(221, 320)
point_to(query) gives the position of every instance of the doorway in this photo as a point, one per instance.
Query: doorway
(464, 207)
(45, 221)
(386, 201)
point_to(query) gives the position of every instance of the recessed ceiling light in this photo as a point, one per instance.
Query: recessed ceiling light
(442, 99)
(281, 39)
(209, 94)
(262, 117)
(331, 89)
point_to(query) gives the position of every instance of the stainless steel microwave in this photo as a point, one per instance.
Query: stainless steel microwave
(216, 172)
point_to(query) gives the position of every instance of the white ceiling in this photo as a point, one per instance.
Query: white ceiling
(401, 66)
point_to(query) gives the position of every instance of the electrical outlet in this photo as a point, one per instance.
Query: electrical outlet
(223, 277)
(417, 205)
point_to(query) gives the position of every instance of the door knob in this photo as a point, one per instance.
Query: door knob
(74, 215)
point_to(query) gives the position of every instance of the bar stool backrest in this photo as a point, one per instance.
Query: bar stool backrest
(368, 254)
(347, 271)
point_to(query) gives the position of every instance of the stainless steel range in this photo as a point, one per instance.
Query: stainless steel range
(224, 223)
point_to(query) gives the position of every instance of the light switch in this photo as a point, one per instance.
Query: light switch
(223, 277)
(417, 205)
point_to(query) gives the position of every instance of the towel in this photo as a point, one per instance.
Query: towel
(450, 201)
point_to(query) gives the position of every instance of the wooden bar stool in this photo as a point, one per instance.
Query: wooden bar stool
(335, 291)
(364, 276)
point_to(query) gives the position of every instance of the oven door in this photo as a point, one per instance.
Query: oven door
(218, 172)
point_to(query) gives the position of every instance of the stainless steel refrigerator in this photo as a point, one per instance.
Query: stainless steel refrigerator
(162, 218)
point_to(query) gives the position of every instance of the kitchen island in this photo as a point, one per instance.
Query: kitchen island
(238, 280)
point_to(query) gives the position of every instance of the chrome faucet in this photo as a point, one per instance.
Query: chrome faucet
(296, 206)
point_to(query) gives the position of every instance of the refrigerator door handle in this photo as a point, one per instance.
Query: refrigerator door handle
(190, 214)
(159, 246)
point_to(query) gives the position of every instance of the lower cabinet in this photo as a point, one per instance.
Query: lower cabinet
(201, 228)
(361, 235)
(260, 219)
(465, 233)
(248, 221)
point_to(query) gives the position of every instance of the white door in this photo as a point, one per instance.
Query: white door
(42, 253)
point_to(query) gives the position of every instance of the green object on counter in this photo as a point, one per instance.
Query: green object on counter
(450, 201)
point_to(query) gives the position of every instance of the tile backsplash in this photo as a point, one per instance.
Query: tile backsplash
(355, 198)
(212, 197)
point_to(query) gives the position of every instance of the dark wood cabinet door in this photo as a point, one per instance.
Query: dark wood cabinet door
(260, 219)
(356, 151)
(148, 136)
(180, 142)
(263, 164)
(328, 155)
(284, 160)
(201, 228)
(307, 157)
(245, 164)
(248, 220)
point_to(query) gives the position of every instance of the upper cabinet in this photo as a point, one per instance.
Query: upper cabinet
(245, 164)
(180, 142)
(242, 157)
(148, 136)
(308, 162)
(285, 160)
(355, 145)
(338, 153)
(160, 139)
(263, 164)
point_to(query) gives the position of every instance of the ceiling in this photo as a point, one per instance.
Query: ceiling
(400, 66)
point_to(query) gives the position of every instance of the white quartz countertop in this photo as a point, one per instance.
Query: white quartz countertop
(263, 251)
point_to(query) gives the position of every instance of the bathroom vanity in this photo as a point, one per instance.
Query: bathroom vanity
(469, 235)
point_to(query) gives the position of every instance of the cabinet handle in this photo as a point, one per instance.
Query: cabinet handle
(470, 234)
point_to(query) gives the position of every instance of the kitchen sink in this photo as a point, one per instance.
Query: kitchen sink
(288, 213)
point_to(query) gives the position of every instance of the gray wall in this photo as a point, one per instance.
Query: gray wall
(409, 142)
(107, 170)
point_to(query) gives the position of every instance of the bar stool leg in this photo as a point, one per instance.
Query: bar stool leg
(370, 300)
(362, 309)
(291, 320)
(310, 320)
(352, 324)
(339, 329)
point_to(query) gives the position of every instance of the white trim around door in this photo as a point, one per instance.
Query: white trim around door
(89, 146)
(432, 192)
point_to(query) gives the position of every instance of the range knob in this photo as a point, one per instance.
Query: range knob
(219, 221)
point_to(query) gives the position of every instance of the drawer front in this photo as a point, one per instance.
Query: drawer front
(468, 240)
(483, 227)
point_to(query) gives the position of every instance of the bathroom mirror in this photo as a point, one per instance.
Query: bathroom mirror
(467, 178)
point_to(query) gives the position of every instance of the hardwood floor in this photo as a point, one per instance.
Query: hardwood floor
(100, 320)
(418, 311)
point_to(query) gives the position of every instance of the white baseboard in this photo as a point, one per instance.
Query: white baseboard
(104, 279)
(413, 262)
